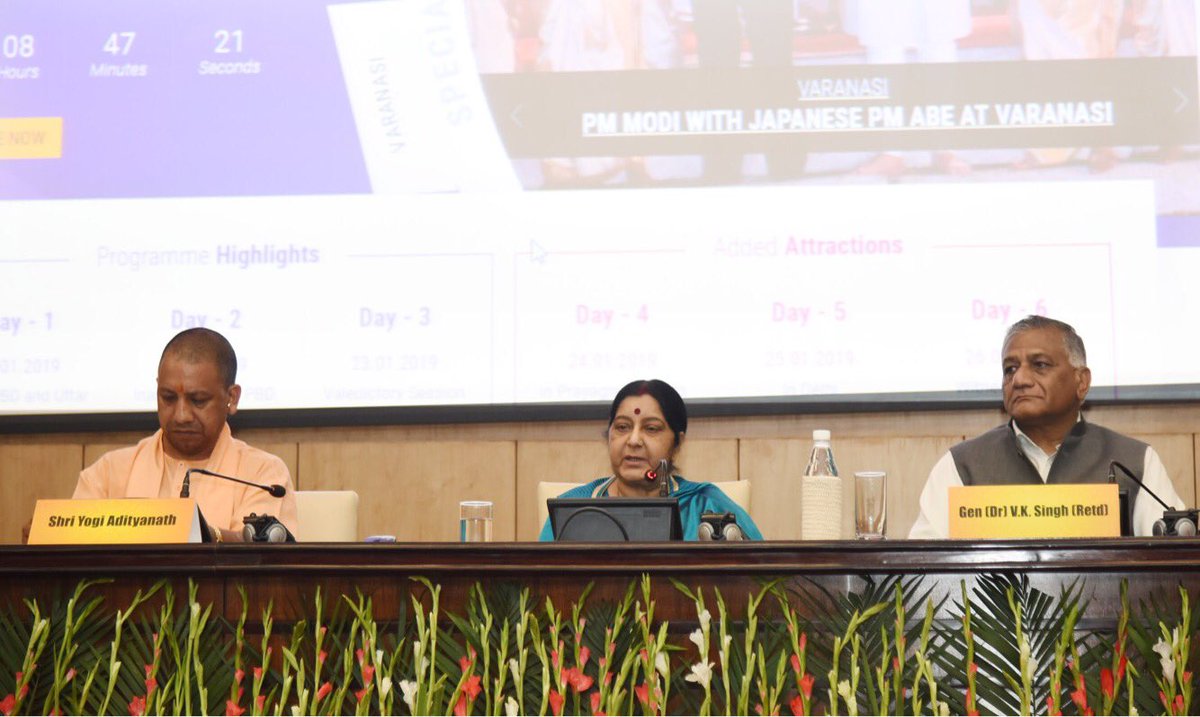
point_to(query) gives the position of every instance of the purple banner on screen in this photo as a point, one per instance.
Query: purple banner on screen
(1178, 230)
(174, 98)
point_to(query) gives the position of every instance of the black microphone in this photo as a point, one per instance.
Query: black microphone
(1173, 522)
(276, 490)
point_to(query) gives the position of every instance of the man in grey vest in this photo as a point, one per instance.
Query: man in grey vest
(1046, 440)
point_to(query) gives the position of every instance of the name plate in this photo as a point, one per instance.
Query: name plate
(122, 520)
(1083, 510)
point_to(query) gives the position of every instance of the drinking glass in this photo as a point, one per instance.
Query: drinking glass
(870, 505)
(475, 521)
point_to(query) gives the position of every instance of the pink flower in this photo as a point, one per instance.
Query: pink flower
(595, 702)
(322, 655)
(260, 702)
(577, 679)
(797, 706)
(806, 685)
(358, 655)
(1178, 704)
(368, 673)
(460, 707)
(556, 702)
(471, 687)
(795, 660)
(238, 676)
(358, 696)
(257, 674)
(643, 693)
(232, 710)
(1107, 687)
(803, 641)
(553, 658)
(8, 704)
(324, 691)
(70, 675)
(584, 654)
(137, 707)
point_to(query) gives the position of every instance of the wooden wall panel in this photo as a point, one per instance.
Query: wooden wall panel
(776, 466)
(412, 490)
(1178, 455)
(582, 461)
(29, 473)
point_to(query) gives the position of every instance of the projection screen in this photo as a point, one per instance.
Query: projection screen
(411, 203)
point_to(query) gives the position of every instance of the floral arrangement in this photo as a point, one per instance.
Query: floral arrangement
(999, 646)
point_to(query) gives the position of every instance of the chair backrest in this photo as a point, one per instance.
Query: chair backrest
(737, 490)
(327, 516)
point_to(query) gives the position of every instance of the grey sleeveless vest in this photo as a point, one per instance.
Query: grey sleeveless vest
(995, 458)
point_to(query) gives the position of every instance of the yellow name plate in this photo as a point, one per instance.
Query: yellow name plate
(993, 512)
(31, 137)
(128, 520)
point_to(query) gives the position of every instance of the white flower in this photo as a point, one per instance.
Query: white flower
(385, 686)
(1168, 663)
(701, 674)
(295, 710)
(660, 664)
(515, 668)
(510, 707)
(379, 657)
(705, 619)
(844, 689)
(945, 709)
(409, 689)
(697, 637)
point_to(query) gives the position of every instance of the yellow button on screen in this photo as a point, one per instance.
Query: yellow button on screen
(31, 137)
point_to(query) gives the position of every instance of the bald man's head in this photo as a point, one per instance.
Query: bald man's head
(204, 345)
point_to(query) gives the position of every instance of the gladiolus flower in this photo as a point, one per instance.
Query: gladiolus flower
(368, 673)
(464, 664)
(137, 707)
(1107, 687)
(260, 703)
(806, 685)
(70, 675)
(1079, 697)
(644, 655)
(321, 657)
(697, 638)
(1178, 704)
(1121, 666)
(608, 678)
(8, 704)
(803, 641)
(1162, 697)
(895, 664)
(358, 655)
(324, 691)
(701, 673)
(1050, 706)
(151, 685)
(360, 694)
(385, 686)
(584, 654)
(660, 664)
(797, 706)
(408, 688)
(578, 681)
(554, 658)
(460, 707)
(556, 702)
(972, 669)
(595, 702)
(511, 708)
(795, 661)
(257, 673)
(471, 687)
(643, 693)
(232, 709)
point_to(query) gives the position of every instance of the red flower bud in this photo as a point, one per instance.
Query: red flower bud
(1107, 687)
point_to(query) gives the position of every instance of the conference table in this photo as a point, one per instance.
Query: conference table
(286, 574)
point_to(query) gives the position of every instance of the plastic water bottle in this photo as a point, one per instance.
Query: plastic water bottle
(821, 493)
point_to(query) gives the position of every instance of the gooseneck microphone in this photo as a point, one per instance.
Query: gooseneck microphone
(276, 490)
(1173, 522)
